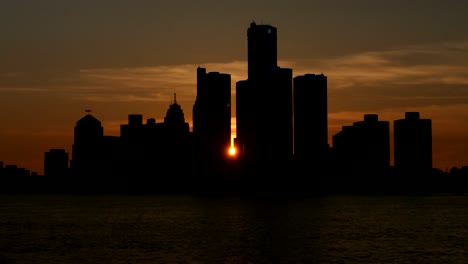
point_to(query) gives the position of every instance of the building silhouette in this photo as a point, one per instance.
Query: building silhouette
(413, 149)
(56, 163)
(310, 118)
(264, 102)
(261, 49)
(15, 173)
(373, 144)
(135, 146)
(87, 148)
(139, 158)
(132, 133)
(178, 146)
(282, 140)
(212, 115)
(174, 121)
(362, 154)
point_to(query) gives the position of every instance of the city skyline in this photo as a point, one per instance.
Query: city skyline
(53, 71)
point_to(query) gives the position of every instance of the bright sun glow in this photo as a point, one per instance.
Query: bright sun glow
(232, 151)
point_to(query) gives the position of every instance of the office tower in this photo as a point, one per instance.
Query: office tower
(56, 163)
(174, 121)
(212, 113)
(177, 145)
(261, 49)
(264, 115)
(264, 100)
(201, 94)
(135, 134)
(176, 133)
(310, 117)
(88, 130)
(372, 145)
(153, 133)
(132, 133)
(87, 146)
(413, 144)
(133, 146)
(363, 149)
(343, 145)
(245, 120)
(274, 117)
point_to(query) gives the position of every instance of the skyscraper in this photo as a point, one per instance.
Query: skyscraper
(261, 49)
(174, 121)
(413, 144)
(310, 117)
(372, 145)
(212, 113)
(264, 100)
(87, 146)
(362, 153)
(132, 133)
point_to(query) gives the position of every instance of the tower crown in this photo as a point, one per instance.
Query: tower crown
(262, 49)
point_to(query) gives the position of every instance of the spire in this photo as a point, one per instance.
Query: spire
(175, 101)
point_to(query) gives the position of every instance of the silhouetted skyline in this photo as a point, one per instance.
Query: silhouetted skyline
(293, 157)
(55, 68)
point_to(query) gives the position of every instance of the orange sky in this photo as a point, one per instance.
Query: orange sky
(121, 57)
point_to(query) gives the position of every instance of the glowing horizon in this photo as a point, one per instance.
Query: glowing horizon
(58, 62)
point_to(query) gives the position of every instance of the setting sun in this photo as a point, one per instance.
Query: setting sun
(232, 151)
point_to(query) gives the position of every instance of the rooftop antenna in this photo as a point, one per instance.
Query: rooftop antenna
(175, 101)
(88, 110)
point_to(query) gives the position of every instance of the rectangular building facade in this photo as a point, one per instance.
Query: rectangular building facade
(413, 144)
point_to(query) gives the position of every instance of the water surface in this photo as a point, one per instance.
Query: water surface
(187, 229)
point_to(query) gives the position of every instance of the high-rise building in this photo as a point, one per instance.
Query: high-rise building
(88, 130)
(264, 115)
(372, 144)
(134, 146)
(261, 49)
(413, 144)
(177, 147)
(87, 146)
(310, 117)
(244, 120)
(132, 132)
(274, 113)
(364, 147)
(264, 100)
(212, 113)
(174, 121)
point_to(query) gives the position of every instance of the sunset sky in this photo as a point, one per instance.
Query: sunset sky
(116, 57)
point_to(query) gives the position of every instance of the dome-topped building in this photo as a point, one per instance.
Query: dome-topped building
(88, 130)
(88, 120)
(87, 146)
(175, 119)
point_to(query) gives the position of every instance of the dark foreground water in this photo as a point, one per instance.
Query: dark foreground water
(184, 229)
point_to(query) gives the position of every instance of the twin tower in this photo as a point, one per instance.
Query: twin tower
(277, 116)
